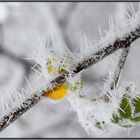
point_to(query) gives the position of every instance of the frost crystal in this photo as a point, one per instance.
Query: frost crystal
(98, 116)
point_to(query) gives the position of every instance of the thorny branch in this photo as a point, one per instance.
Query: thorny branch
(79, 67)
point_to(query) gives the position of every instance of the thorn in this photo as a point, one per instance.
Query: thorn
(132, 7)
(53, 41)
(127, 14)
(82, 48)
(38, 37)
(100, 32)
(28, 82)
(111, 25)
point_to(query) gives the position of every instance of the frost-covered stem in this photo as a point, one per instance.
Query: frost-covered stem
(121, 9)
(79, 67)
(117, 44)
(117, 72)
(120, 66)
(7, 120)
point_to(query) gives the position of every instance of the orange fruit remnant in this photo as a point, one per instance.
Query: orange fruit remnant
(57, 93)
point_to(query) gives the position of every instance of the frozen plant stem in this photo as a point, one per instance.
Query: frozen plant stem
(121, 9)
(118, 43)
(123, 54)
(19, 111)
(120, 66)
(117, 73)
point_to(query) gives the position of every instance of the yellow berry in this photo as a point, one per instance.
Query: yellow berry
(57, 93)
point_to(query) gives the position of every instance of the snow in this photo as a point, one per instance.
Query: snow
(51, 120)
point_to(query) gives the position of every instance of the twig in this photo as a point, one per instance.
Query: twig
(120, 66)
(82, 65)
(118, 43)
(121, 10)
(117, 73)
(19, 111)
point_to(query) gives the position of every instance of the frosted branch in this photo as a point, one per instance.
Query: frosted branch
(120, 66)
(7, 120)
(119, 42)
(111, 48)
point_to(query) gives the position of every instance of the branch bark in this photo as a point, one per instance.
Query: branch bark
(79, 67)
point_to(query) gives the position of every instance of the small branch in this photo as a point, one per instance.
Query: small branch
(121, 9)
(124, 54)
(19, 111)
(120, 66)
(117, 44)
(79, 67)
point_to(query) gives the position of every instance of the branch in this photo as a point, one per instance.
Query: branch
(120, 66)
(79, 67)
(111, 48)
(121, 9)
(117, 73)
(19, 111)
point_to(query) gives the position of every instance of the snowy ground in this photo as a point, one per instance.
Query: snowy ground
(67, 22)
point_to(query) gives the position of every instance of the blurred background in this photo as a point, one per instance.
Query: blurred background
(23, 25)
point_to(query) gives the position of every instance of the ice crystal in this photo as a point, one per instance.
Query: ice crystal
(99, 117)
